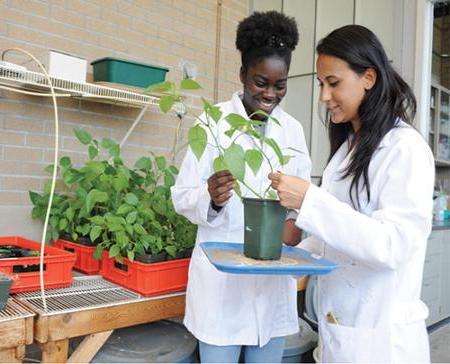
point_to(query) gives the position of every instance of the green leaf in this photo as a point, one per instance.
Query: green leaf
(169, 181)
(229, 133)
(236, 120)
(254, 159)
(107, 143)
(95, 233)
(34, 197)
(166, 102)
(122, 239)
(139, 229)
(93, 152)
(234, 158)
(65, 162)
(213, 111)
(197, 139)
(160, 162)
(273, 144)
(219, 164)
(114, 151)
(129, 229)
(70, 213)
(171, 250)
(272, 195)
(143, 163)
(98, 220)
(160, 87)
(83, 136)
(93, 197)
(131, 199)
(98, 252)
(62, 224)
(114, 251)
(173, 169)
(124, 209)
(96, 167)
(49, 168)
(131, 217)
(130, 255)
(54, 221)
(189, 84)
(120, 182)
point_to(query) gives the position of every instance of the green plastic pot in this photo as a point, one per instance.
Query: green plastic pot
(263, 228)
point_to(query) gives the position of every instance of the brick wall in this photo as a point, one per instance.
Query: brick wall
(160, 32)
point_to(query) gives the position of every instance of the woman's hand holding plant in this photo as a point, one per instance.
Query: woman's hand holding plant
(291, 190)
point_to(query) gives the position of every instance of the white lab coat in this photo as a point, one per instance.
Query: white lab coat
(375, 294)
(233, 309)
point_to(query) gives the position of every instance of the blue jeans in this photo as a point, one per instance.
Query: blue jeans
(272, 352)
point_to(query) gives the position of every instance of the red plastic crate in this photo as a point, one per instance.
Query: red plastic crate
(57, 264)
(147, 279)
(85, 256)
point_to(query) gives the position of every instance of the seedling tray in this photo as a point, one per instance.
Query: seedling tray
(230, 258)
(25, 270)
(147, 279)
(85, 261)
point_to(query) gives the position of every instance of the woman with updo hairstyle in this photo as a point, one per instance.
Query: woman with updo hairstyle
(372, 214)
(230, 313)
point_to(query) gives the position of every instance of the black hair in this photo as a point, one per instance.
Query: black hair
(266, 34)
(387, 101)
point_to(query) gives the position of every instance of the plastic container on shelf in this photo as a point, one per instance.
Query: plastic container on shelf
(127, 72)
(5, 287)
(24, 271)
(147, 279)
(85, 261)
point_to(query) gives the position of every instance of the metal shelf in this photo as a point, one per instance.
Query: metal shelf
(37, 82)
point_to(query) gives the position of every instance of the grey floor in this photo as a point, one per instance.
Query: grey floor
(440, 343)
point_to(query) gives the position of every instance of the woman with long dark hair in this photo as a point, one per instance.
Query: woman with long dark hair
(373, 211)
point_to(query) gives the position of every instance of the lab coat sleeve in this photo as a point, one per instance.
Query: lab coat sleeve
(397, 227)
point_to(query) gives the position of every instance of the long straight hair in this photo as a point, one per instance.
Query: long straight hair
(389, 100)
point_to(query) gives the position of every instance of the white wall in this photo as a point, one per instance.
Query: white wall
(393, 21)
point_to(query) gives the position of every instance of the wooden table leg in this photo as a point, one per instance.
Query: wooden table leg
(8, 356)
(89, 347)
(20, 352)
(55, 351)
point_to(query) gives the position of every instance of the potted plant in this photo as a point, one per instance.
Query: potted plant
(264, 217)
(125, 211)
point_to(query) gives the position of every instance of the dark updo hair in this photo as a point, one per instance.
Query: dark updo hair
(266, 34)
(387, 101)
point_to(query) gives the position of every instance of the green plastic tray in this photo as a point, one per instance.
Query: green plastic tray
(126, 72)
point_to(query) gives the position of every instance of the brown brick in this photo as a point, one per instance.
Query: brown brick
(58, 13)
(32, 6)
(15, 123)
(19, 183)
(12, 138)
(41, 140)
(21, 154)
(14, 198)
(84, 7)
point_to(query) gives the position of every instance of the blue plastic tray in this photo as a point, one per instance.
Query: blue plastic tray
(229, 257)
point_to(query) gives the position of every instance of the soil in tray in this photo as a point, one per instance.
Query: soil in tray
(14, 251)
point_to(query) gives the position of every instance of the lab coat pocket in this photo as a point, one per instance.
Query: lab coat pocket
(345, 344)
